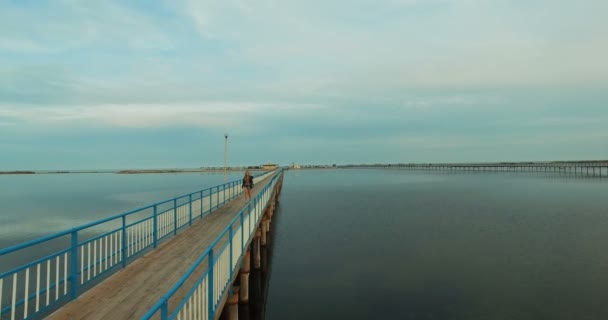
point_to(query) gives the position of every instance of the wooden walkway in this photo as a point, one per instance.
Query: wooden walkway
(131, 292)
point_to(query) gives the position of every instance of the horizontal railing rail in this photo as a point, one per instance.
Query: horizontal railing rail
(38, 276)
(200, 290)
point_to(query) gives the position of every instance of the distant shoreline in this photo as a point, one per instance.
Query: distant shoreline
(128, 171)
(601, 163)
(144, 171)
(17, 172)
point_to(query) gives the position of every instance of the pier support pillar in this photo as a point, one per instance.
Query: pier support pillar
(269, 218)
(263, 226)
(232, 305)
(256, 244)
(244, 278)
(264, 256)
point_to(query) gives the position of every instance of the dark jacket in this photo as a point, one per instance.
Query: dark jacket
(245, 184)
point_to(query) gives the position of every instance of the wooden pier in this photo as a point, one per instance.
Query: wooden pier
(134, 290)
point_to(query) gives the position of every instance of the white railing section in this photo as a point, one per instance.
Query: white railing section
(99, 255)
(237, 250)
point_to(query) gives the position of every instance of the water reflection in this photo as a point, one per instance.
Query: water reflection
(37, 205)
(374, 244)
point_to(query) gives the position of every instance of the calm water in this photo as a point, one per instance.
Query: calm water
(371, 244)
(388, 244)
(36, 205)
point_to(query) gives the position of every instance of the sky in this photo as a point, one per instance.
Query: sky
(155, 84)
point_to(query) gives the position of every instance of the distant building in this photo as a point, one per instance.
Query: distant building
(269, 166)
(295, 166)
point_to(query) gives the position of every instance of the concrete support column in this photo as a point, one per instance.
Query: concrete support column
(256, 244)
(232, 305)
(278, 192)
(264, 230)
(244, 278)
(264, 256)
(268, 220)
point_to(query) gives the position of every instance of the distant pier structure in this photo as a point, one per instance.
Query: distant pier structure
(578, 168)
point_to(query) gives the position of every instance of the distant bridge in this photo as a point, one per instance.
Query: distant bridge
(583, 168)
(173, 259)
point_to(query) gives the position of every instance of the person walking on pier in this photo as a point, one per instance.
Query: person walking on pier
(247, 184)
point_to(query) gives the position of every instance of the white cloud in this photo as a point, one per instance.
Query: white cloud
(296, 51)
(14, 45)
(63, 26)
(210, 115)
(445, 44)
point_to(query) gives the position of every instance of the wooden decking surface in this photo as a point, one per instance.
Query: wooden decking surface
(132, 291)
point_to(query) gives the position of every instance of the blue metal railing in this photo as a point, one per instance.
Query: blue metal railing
(89, 253)
(206, 282)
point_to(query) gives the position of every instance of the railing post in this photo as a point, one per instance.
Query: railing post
(124, 241)
(190, 202)
(217, 194)
(164, 310)
(242, 232)
(155, 226)
(201, 204)
(231, 248)
(210, 275)
(174, 216)
(249, 218)
(210, 199)
(74, 266)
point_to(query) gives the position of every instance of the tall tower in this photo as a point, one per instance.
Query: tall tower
(225, 154)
